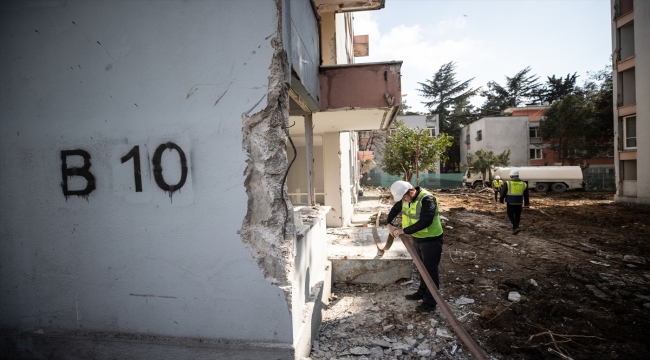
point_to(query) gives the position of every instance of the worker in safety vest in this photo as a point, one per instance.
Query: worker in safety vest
(496, 185)
(420, 220)
(515, 193)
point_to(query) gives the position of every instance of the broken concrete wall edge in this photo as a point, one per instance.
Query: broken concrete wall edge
(267, 229)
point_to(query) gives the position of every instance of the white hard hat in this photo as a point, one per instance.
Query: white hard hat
(399, 188)
(514, 173)
(498, 177)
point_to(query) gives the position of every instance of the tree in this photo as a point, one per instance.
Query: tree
(483, 161)
(557, 88)
(409, 151)
(447, 95)
(581, 125)
(518, 88)
(563, 127)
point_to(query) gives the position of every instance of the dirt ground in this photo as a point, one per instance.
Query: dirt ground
(580, 265)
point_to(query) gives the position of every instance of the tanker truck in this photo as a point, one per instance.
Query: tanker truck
(540, 178)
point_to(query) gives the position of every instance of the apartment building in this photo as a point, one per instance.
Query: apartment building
(631, 65)
(144, 148)
(498, 134)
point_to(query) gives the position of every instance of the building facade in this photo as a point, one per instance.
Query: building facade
(145, 158)
(520, 134)
(631, 65)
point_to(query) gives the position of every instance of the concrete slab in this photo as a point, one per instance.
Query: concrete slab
(355, 257)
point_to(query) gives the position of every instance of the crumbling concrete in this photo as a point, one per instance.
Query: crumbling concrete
(356, 260)
(267, 230)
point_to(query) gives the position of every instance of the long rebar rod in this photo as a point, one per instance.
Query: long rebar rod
(472, 346)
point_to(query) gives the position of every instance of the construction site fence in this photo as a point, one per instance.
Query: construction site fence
(429, 181)
(600, 181)
(593, 180)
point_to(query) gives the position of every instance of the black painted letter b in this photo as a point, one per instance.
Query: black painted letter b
(67, 172)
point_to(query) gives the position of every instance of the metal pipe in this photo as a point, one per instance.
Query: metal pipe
(446, 310)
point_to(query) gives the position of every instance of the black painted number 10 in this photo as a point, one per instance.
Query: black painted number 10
(134, 154)
(157, 167)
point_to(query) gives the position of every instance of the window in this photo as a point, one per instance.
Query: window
(432, 130)
(629, 132)
(535, 154)
(467, 139)
(479, 135)
(534, 133)
(627, 87)
(626, 41)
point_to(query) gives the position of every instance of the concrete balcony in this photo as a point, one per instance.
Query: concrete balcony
(357, 97)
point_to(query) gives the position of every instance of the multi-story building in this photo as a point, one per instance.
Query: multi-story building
(498, 134)
(146, 162)
(520, 134)
(631, 65)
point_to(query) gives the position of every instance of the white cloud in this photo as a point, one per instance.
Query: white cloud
(422, 51)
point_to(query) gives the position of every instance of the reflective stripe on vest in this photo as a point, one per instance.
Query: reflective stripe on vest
(497, 184)
(411, 215)
(515, 193)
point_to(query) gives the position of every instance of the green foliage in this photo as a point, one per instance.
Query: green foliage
(563, 126)
(409, 151)
(581, 125)
(557, 88)
(518, 88)
(483, 161)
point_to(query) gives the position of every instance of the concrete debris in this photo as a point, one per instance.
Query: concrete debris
(410, 341)
(644, 297)
(599, 263)
(514, 296)
(382, 343)
(440, 332)
(634, 259)
(359, 350)
(388, 328)
(464, 301)
(598, 293)
(612, 279)
(533, 282)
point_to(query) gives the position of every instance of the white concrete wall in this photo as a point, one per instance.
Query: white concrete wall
(414, 121)
(499, 134)
(345, 141)
(344, 39)
(336, 164)
(103, 77)
(642, 70)
(636, 191)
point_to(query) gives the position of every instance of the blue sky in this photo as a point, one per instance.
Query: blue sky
(488, 39)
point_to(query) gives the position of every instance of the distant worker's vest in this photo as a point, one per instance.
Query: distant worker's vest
(411, 215)
(515, 195)
(497, 184)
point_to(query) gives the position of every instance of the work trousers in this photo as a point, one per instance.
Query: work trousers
(430, 253)
(497, 193)
(514, 214)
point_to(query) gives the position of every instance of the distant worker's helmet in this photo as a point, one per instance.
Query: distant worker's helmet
(514, 173)
(399, 188)
(497, 177)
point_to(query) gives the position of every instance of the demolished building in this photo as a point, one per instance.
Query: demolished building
(148, 159)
